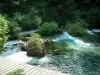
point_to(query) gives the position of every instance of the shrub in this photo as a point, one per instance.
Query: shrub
(48, 28)
(17, 72)
(14, 30)
(49, 45)
(3, 32)
(35, 46)
(62, 49)
(24, 37)
(58, 48)
(77, 27)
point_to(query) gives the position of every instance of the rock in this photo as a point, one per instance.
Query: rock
(36, 48)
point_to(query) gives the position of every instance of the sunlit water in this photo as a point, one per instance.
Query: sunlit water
(73, 42)
(10, 48)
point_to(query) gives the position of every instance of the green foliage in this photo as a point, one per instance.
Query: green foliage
(37, 12)
(76, 28)
(14, 30)
(35, 45)
(17, 72)
(48, 28)
(28, 21)
(60, 48)
(3, 32)
(49, 45)
(93, 17)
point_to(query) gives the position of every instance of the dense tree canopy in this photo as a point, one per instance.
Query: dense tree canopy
(32, 13)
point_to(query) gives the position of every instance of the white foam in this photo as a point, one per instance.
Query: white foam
(90, 32)
(96, 30)
(44, 59)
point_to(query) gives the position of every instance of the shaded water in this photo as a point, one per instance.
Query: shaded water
(80, 64)
(82, 59)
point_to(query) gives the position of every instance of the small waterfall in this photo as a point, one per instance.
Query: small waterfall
(90, 32)
(75, 41)
(64, 36)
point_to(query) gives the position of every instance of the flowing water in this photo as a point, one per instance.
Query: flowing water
(10, 49)
(83, 59)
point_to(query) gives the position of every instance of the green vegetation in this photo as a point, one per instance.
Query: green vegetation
(77, 46)
(35, 46)
(17, 72)
(14, 30)
(55, 48)
(77, 27)
(49, 17)
(3, 32)
(48, 28)
(36, 12)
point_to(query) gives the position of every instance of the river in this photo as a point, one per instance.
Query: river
(83, 59)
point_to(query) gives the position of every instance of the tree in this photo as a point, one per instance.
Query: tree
(14, 30)
(3, 32)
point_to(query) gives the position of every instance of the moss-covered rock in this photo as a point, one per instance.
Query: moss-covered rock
(36, 46)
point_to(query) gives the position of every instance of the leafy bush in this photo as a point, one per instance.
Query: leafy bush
(14, 30)
(35, 45)
(60, 48)
(3, 32)
(48, 28)
(49, 45)
(77, 27)
(17, 72)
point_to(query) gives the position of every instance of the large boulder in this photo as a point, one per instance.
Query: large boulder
(36, 46)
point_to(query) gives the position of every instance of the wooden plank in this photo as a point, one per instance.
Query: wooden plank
(33, 71)
(10, 68)
(7, 66)
(39, 72)
(46, 72)
(28, 68)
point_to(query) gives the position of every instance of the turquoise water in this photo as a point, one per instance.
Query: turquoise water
(10, 52)
(80, 64)
(10, 48)
(84, 59)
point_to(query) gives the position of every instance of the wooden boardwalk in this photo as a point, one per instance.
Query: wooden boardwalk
(7, 65)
